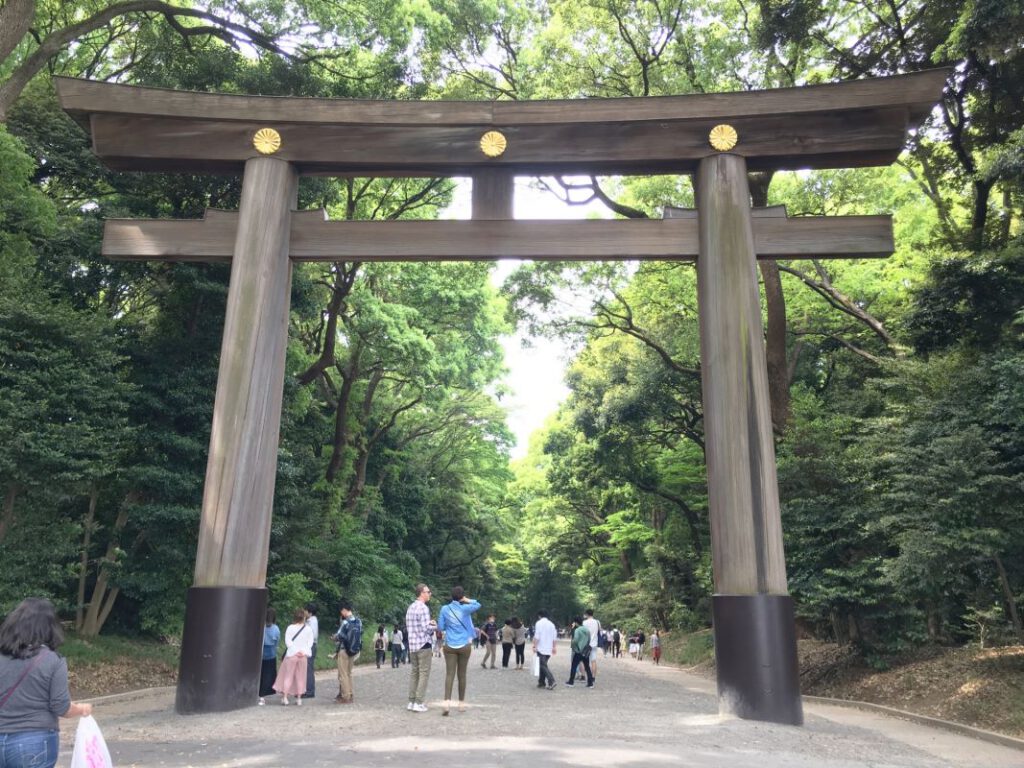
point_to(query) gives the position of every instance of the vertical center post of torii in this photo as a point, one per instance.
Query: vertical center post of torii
(226, 607)
(755, 643)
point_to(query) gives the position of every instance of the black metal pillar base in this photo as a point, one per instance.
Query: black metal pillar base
(755, 655)
(221, 649)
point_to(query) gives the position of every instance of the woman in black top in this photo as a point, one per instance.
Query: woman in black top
(33, 686)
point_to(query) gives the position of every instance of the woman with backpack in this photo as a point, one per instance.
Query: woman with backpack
(380, 644)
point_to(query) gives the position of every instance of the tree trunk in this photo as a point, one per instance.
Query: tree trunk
(355, 490)
(340, 425)
(775, 345)
(7, 518)
(775, 330)
(83, 568)
(15, 20)
(101, 602)
(979, 216)
(627, 566)
(1011, 603)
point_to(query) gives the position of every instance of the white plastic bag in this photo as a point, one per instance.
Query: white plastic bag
(536, 673)
(90, 748)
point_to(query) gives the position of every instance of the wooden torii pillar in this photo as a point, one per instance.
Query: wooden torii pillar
(717, 137)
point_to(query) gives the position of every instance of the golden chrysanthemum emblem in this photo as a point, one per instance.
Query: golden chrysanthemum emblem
(493, 143)
(723, 137)
(267, 141)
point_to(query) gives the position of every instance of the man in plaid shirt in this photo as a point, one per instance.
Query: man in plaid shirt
(420, 629)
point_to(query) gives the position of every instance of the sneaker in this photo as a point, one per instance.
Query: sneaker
(570, 684)
(262, 701)
(551, 686)
(410, 706)
(590, 685)
(419, 707)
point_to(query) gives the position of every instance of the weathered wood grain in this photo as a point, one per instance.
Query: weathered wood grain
(234, 532)
(493, 194)
(743, 499)
(314, 239)
(918, 91)
(826, 140)
(839, 125)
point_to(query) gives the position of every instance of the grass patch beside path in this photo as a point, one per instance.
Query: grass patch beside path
(687, 649)
(95, 650)
(111, 664)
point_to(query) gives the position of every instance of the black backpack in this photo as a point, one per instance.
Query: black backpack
(355, 636)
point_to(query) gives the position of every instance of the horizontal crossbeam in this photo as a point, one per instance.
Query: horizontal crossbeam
(848, 124)
(313, 238)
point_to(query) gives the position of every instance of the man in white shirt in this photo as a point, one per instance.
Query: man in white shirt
(544, 638)
(594, 627)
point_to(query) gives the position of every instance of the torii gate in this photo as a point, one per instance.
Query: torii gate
(719, 137)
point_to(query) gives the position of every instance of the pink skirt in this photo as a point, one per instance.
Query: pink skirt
(291, 677)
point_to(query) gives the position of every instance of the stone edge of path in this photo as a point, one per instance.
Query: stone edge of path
(966, 730)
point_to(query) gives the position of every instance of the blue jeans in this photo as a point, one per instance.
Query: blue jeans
(28, 749)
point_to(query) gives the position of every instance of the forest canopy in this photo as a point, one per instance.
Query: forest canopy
(896, 385)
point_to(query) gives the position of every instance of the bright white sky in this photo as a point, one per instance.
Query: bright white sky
(536, 374)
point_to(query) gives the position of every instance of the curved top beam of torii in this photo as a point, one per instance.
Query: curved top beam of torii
(840, 125)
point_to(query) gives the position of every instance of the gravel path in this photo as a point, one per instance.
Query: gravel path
(637, 714)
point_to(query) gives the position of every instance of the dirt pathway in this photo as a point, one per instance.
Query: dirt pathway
(637, 715)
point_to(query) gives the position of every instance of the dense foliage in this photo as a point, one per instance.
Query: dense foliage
(895, 385)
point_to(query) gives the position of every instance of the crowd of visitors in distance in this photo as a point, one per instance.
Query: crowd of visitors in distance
(34, 677)
(451, 635)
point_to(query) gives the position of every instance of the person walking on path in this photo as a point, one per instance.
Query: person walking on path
(508, 636)
(349, 640)
(545, 637)
(396, 646)
(33, 686)
(580, 652)
(420, 628)
(640, 645)
(656, 648)
(594, 628)
(310, 612)
(380, 644)
(519, 640)
(268, 670)
(298, 641)
(489, 637)
(616, 643)
(455, 620)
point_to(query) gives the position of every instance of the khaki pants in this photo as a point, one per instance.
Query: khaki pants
(490, 652)
(345, 663)
(456, 660)
(420, 661)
